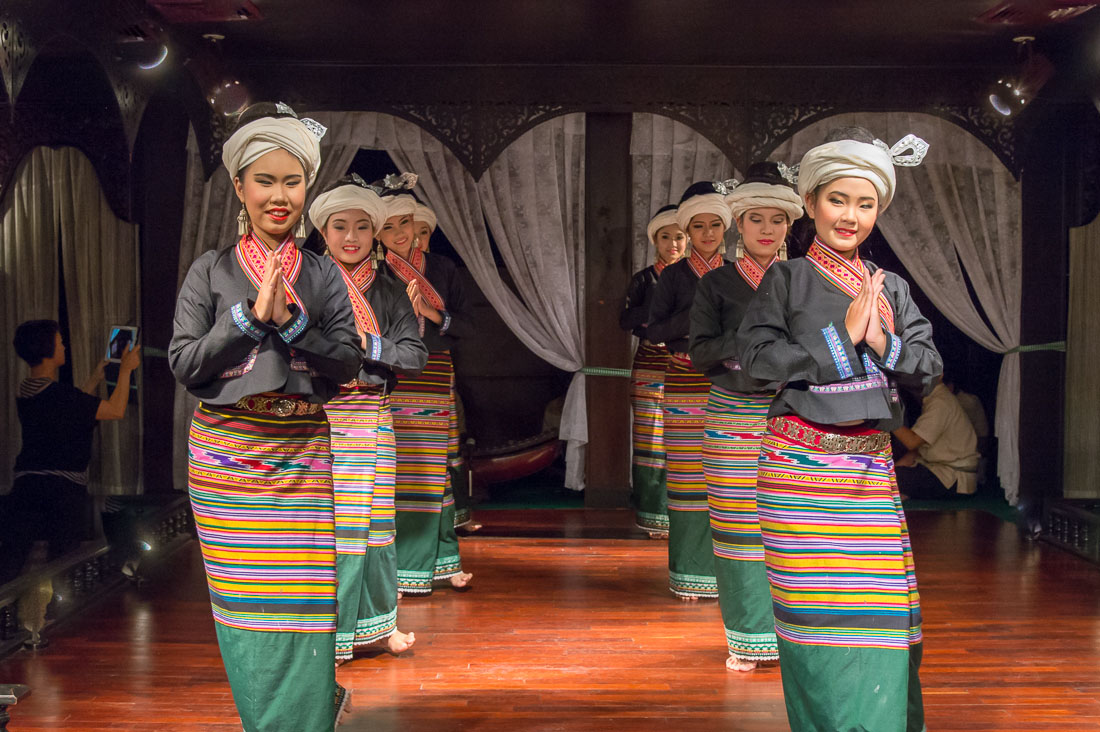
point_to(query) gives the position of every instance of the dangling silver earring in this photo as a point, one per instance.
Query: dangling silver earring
(782, 253)
(740, 251)
(300, 228)
(416, 242)
(242, 221)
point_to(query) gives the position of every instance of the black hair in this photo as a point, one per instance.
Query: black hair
(662, 209)
(259, 110)
(35, 340)
(698, 189)
(854, 132)
(765, 171)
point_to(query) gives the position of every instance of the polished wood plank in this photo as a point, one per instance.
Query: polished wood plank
(581, 634)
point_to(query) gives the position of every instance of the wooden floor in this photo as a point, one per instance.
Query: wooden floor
(581, 633)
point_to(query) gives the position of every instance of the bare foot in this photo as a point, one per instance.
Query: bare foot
(658, 535)
(400, 642)
(400, 595)
(688, 598)
(733, 663)
(460, 580)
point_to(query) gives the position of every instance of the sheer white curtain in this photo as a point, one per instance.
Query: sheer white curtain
(100, 259)
(28, 281)
(56, 193)
(667, 156)
(959, 211)
(533, 198)
(458, 199)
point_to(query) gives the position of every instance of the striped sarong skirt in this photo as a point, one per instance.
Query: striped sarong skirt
(261, 491)
(363, 466)
(427, 546)
(690, 553)
(731, 449)
(647, 387)
(843, 586)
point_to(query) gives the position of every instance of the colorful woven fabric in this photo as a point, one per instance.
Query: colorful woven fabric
(456, 468)
(843, 585)
(363, 468)
(690, 555)
(422, 407)
(261, 491)
(731, 449)
(648, 460)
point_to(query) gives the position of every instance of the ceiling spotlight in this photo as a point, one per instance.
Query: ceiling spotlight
(157, 61)
(1012, 93)
(229, 97)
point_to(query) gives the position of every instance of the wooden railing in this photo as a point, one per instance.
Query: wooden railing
(80, 578)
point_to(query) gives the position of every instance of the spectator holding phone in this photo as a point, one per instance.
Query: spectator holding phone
(49, 498)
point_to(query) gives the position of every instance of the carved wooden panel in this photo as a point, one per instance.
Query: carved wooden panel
(16, 54)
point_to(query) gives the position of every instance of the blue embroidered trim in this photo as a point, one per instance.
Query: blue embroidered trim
(297, 326)
(894, 353)
(836, 348)
(858, 383)
(375, 347)
(446, 323)
(244, 323)
(869, 365)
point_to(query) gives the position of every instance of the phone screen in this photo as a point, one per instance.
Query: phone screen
(121, 337)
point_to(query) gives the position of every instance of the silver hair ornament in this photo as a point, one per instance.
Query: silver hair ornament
(789, 173)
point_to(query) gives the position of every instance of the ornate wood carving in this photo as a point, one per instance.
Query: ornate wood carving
(16, 54)
(772, 124)
(99, 137)
(997, 132)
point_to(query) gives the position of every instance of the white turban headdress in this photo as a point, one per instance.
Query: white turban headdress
(348, 196)
(664, 217)
(759, 194)
(711, 199)
(300, 137)
(852, 159)
(425, 214)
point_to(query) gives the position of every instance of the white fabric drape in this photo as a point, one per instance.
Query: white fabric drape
(667, 157)
(57, 194)
(533, 198)
(28, 281)
(959, 211)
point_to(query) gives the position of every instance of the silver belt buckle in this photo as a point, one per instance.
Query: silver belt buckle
(283, 407)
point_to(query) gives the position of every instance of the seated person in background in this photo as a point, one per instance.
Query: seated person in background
(942, 458)
(49, 498)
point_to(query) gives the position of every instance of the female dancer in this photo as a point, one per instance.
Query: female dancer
(704, 215)
(363, 451)
(763, 208)
(263, 335)
(841, 335)
(427, 546)
(648, 380)
(424, 225)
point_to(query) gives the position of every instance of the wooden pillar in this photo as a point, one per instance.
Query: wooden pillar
(1043, 305)
(608, 231)
(159, 172)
